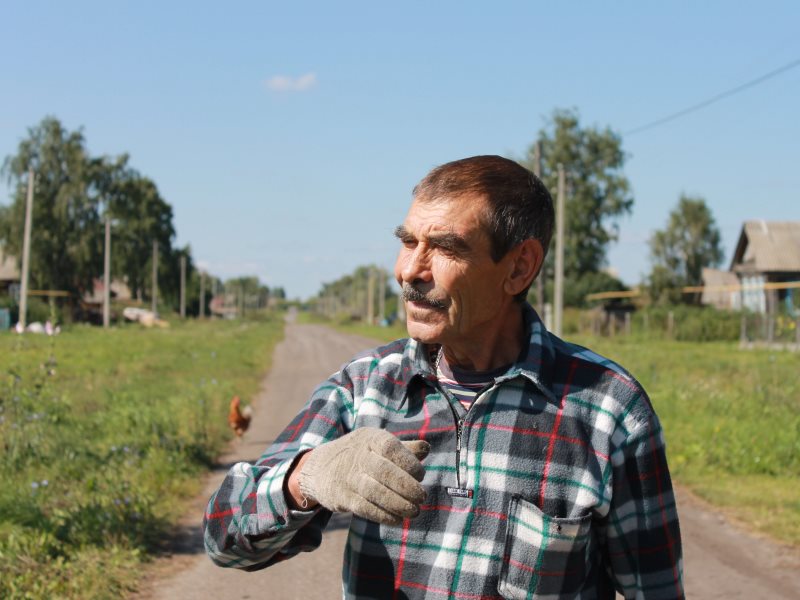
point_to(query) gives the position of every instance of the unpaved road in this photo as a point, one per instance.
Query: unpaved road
(721, 561)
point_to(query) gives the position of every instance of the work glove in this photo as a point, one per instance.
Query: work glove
(368, 472)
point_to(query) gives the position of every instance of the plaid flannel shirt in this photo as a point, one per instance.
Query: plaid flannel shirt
(554, 484)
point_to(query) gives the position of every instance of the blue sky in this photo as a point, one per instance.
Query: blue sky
(287, 136)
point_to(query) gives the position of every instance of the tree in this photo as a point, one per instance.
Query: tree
(141, 216)
(348, 295)
(598, 192)
(679, 253)
(67, 240)
(247, 292)
(73, 194)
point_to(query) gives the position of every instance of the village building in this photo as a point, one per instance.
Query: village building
(9, 273)
(721, 289)
(766, 262)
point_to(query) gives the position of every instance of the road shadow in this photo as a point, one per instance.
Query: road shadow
(184, 539)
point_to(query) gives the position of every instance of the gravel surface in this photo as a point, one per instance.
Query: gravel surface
(721, 560)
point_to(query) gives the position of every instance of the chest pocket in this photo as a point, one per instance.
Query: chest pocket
(544, 556)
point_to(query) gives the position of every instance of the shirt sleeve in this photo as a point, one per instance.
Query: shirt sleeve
(642, 533)
(248, 524)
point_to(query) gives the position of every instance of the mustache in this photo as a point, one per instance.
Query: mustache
(412, 294)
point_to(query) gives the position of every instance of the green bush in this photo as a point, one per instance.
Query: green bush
(38, 310)
(691, 323)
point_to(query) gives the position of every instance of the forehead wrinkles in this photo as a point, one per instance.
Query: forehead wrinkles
(452, 210)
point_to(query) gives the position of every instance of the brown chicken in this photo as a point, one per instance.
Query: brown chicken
(239, 418)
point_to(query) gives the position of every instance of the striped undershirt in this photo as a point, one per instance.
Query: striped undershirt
(465, 385)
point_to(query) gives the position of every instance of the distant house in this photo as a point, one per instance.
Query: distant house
(119, 291)
(9, 272)
(721, 290)
(10, 278)
(767, 252)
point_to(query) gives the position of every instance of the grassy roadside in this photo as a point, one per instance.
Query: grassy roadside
(103, 433)
(731, 420)
(732, 423)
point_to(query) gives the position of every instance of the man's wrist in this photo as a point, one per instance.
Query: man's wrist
(295, 498)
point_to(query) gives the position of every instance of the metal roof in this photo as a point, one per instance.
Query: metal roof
(768, 246)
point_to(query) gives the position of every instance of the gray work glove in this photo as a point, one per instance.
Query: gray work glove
(368, 472)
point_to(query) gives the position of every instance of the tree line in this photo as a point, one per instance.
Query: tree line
(74, 193)
(598, 194)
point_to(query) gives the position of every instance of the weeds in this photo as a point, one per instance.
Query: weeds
(102, 433)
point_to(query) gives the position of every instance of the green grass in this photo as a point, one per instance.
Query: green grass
(732, 423)
(102, 437)
(731, 419)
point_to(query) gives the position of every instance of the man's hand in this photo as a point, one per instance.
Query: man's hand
(368, 472)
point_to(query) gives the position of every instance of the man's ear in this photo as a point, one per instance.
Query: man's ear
(526, 261)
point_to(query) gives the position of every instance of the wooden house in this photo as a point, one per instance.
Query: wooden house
(766, 256)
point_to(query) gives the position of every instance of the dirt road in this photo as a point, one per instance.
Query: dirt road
(721, 561)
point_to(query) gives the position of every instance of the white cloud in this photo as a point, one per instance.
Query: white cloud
(285, 83)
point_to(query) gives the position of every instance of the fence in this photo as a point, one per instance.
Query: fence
(688, 324)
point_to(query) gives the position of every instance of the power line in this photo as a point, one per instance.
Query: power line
(716, 98)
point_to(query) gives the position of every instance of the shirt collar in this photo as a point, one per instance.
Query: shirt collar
(536, 365)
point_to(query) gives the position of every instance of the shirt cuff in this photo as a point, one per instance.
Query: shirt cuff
(274, 514)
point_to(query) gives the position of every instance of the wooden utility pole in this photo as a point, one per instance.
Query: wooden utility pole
(202, 294)
(381, 296)
(107, 276)
(558, 299)
(26, 252)
(537, 170)
(183, 286)
(155, 277)
(401, 308)
(371, 297)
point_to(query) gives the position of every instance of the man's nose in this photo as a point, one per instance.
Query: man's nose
(415, 265)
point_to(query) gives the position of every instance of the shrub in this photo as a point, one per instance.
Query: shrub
(691, 323)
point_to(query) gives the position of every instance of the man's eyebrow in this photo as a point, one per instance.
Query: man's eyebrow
(402, 233)
(449, 241)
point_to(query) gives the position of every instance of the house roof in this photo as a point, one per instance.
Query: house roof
(8, 268)
(768, 246)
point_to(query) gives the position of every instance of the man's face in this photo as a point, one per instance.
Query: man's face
(446, 258)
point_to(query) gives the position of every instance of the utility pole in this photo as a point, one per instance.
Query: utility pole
(371, 297)
(26, 252)
(401, 308)
(183, 286)
(558, 299)
(537, 170)
(381, 296)
(202, 294)
(107, 276)
(155, 276)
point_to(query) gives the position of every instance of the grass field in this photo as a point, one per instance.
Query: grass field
(103, 434)
(731, 420)
(102, 437)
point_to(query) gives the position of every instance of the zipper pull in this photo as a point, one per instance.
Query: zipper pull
(459, 492)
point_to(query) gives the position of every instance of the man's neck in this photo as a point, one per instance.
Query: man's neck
(495, 347)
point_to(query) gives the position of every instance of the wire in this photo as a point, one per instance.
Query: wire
(716, 98)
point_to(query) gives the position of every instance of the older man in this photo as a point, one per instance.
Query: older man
(481, 458)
